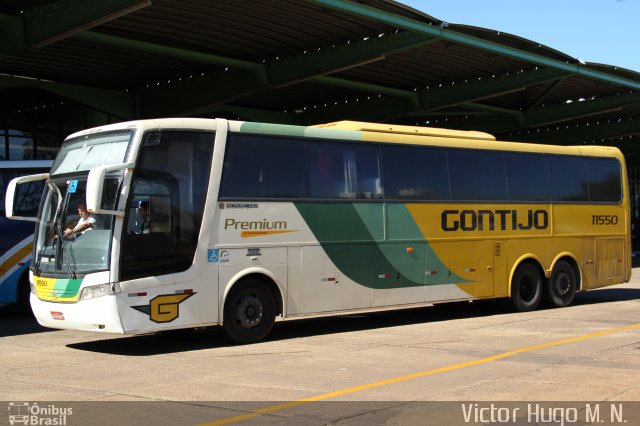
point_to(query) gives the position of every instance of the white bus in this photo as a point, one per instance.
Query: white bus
(197, 222)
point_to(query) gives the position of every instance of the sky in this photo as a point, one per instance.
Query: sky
(602, 31)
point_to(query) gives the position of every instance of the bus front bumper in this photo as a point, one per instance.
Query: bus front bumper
(99, 314)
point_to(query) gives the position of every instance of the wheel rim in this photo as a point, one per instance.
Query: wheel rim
(249, 311)
(562, 284)
(527, 288)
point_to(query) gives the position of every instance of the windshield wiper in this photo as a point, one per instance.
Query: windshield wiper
(71, 258)
(57, 252)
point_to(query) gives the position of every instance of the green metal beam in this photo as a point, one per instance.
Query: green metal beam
(376, 109)
(575, 135)
(118, 103)
(398, 21)
(52, 22)
(556, 113)
(493, 124)
(328, 61)
(450, 95)
(550, 114)
(198, 94)
(518, 115)
(377, 103)
(546, 94)
(170, 52)
(245, 113)
(371, 89)
(61, 19)
(426, 101)
(11, 35)
(211, 90)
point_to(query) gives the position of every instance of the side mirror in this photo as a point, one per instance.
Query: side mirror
(95, 186)
(13, 208)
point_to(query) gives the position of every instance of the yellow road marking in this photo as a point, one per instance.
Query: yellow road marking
(419, 374)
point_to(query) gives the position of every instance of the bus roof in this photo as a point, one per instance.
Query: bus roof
(408, 130)
(363, 131)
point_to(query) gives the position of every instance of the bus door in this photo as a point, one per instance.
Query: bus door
(149, 247)
(483, 253)
(609, 261)
(162, 255)
(588, 266)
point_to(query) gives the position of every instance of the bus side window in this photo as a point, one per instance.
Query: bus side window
(568, 178)
(263, 167)
(344, 170)
(604, 180)
(415, 173)
(28, 198)
(173, 177)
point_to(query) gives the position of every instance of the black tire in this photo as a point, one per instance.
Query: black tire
(249, 312)
(526, 288)
(561, 287)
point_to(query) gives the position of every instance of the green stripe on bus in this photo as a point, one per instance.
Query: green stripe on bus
(67, 288)
(352, 235)
(300, 131)
(272, 129)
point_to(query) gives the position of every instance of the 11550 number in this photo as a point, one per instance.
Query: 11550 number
(604, 219)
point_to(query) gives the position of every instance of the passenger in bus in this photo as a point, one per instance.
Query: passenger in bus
(143, 222)
(85, 223)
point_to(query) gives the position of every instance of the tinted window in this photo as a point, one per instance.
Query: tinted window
(527, 177)
(27, 197)
(604, 179)
(568, 178)
(171, 180)
(477, 175)
(263, 167)
(339, 170)
(415, 173)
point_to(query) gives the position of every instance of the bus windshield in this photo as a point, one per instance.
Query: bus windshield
(69, 240)
(86, 152)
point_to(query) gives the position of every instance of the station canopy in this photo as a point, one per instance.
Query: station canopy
(307, 62)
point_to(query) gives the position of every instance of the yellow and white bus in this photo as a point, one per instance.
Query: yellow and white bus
(247, 221)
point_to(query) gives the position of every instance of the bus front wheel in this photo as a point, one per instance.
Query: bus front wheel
(562, 285)
(526, 288)
(249, 312)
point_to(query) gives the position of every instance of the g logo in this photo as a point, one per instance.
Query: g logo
(166, 308)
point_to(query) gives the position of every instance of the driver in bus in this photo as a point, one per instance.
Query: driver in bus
(142, 224)
(85, 223)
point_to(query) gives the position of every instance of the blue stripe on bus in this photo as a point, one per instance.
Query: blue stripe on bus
(9, 286)
(13, 231)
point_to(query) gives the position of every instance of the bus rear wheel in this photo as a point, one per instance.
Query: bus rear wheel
(526, 288)
(562, 285)
(249, 312)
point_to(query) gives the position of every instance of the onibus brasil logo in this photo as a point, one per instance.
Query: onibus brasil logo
(27, 413)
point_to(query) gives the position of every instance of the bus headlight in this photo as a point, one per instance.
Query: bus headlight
(94, 291)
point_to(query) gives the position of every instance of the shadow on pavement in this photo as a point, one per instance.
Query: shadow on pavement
(212, 337)
(14, 322)
(606, 295)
